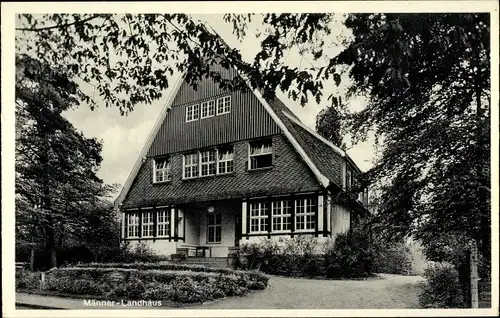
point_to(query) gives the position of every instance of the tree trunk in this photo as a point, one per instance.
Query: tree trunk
(484, 237)
(51, 243)
(32, 258)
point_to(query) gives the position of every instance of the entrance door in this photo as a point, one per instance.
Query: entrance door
(214, 230)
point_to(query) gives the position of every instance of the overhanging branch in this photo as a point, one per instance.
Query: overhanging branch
(60, 26)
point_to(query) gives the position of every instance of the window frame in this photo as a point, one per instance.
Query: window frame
(260, 218)
(199, 164)
(305, 213)
(206, 106)
(149, 225)
(215, 226)
(251, 156)
(166, 169)
(227, 162)
(165, 213)
(193, 109)
(208, 163)
(225, 103)
(133, 225)
(193, 166)
(282, 216)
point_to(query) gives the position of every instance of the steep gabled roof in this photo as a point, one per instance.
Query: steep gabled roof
(149, 141)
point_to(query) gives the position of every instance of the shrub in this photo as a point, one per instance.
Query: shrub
(180, 286)
(392, 259)
(299, 256)
(27, 280)
(351, 255)
(442, 288)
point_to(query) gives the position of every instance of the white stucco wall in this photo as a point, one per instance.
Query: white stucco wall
(341, 219)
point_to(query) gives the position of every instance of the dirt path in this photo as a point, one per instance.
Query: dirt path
(389, 291)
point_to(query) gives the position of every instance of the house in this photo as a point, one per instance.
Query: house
(223, 168)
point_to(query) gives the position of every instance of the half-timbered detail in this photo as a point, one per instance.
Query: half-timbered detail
(223, 168)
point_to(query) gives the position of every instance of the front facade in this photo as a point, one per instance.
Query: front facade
(224, 168)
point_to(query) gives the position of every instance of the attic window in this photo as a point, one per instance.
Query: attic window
(192, 113)
(224, 105)
(261, 154)
(208, 109)
(161, 169)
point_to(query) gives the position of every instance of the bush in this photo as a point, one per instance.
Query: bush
(351, 255)
(162, 265)
(442, 288)
(179, 286)
(27, 280)
(392, 259)
(299, 256)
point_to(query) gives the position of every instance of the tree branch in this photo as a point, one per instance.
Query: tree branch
(60, 26)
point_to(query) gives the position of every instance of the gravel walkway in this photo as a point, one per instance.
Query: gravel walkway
(386, 292)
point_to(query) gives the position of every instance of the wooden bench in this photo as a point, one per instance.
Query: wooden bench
(21, 265)
(199, 249)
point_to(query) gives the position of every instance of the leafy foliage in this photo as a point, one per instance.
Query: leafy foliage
(426, 76)
(177, 286)
(299, 256)
(58, 194)
(442, 288)
(351, 255)
(130, 59)
(427, 80)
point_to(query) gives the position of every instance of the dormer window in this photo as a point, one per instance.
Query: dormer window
(192, 112)
(224, 105)
(208, 109)
(260, 154)
(161, 169)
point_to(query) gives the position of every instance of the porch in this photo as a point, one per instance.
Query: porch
(211, 230)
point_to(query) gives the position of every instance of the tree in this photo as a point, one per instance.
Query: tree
(329, 125)
(427, 78)
(130, 59)
(55, 164)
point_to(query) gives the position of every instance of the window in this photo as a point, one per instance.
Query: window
(147, 224)
(162, 223)
(208, 109)
(133, 225)
(305, 216)
(261, 154)
(225, 160)
(192, 112)
(348, 179)
(191, 165)
(161, 170)
(258, 217)
(224, 105)
(208, 163)
(281, 217)
(214, 230)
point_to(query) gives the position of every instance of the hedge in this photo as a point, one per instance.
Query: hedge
(168, 266)
(135, 284)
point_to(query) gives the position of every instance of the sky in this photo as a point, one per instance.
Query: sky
(124, 136)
